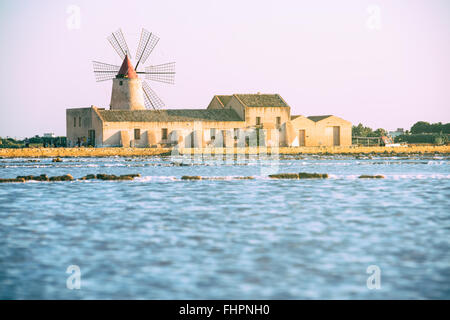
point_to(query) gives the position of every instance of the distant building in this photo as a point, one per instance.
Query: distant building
(49, 135)
(397, 132)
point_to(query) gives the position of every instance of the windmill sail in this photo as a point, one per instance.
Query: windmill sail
(104, 71)
(119, 44)
(162, 73)
(150, 98)
(147, 43)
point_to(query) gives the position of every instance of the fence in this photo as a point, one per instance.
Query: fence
(366, 141)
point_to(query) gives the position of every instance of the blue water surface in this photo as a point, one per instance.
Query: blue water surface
(159, 237)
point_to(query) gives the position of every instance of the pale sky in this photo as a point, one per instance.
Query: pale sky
(386, 68)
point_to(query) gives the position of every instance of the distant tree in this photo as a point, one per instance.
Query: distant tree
(436, 127)
(446, 128)
(379, 133)
(421, 127)
(361, 131)
(425, 127)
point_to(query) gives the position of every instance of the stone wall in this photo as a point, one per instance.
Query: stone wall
(318, 133)
(127, 94)
(78, 122)
(151, 133)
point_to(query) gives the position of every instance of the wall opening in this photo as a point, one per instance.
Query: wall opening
(164, 134)
(301, 138)
(336, 136)
(91, 138)
(137, 134)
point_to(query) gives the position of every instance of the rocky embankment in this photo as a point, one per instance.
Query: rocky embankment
(127, 152)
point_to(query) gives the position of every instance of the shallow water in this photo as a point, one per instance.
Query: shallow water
(161, 238)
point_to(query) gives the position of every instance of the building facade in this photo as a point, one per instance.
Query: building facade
(229, 120)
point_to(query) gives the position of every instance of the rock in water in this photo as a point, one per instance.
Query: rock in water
(305, 175)
(366, 176)
(42, 177)
(191, 178)
(284, 176)
(12, 180)
(88, 177)
(301, 175)
(66, 177)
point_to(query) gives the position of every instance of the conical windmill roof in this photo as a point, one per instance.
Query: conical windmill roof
(127, 70)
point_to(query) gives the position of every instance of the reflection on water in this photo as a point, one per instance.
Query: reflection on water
(161, 238)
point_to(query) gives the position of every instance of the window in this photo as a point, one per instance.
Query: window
(74, 122)
(278, 121)
(164, 134)
(137, 134)
(236, 133)
(79, 121)
(212, 133)
(258, 121)
(120, 82)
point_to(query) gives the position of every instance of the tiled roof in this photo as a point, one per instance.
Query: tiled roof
(318, 118)
(169, 115)
(262, 100)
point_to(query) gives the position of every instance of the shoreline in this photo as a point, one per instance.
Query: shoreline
(129, 152)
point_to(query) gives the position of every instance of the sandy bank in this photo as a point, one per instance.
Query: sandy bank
(127, 152)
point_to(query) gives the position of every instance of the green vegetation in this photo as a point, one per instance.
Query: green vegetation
(35, 141)
(361, 131)
(424, 132)
(421, 132)
(425, 127)
(431, 138)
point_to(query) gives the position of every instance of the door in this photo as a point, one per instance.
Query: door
(91, 137)
(224, 138)
(336, 136)
(301, 138)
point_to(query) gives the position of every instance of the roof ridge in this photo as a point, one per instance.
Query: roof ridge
(217, 97)
(236, 95)
(283, 100)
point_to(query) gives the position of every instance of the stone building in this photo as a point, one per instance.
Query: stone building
(229, 120)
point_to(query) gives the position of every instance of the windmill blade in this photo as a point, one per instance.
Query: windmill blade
(119, 44)
(150, 97)
(147, 43)
(162, 73)
(104, 71)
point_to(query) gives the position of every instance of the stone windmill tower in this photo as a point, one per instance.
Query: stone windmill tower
(129, 92)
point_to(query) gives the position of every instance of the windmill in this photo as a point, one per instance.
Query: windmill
(129, 92)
